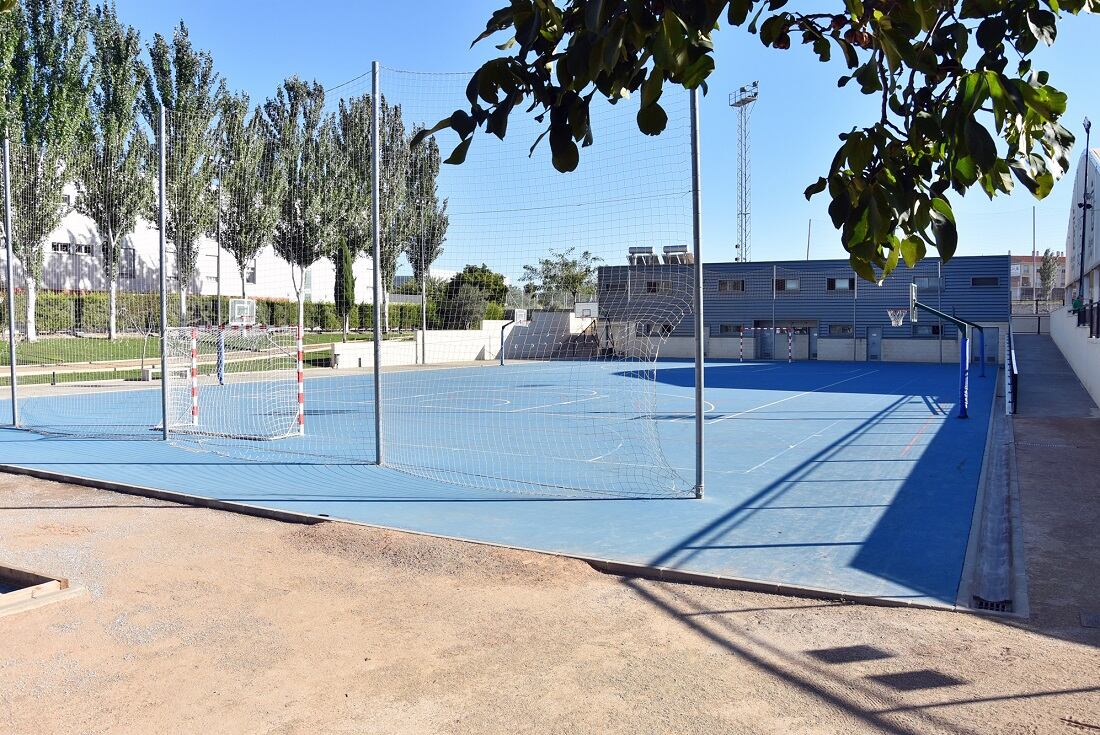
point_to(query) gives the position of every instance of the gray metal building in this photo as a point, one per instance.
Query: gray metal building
(821, 302)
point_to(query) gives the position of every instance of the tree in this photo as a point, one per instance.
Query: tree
(468, 294)
(563, 273)
(351, 188)
(48, 93)
(113, 184)
(429, 220)
(250, 185)
(394, 210)
(465, 308)
(940, 71)
(1047, 270)
(344, 290)
(185, 83)
(482, 278)
(304, 231)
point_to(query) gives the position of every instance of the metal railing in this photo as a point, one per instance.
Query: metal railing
(1089, 316)
(1012, 376)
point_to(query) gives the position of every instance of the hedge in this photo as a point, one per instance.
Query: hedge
(59, 312)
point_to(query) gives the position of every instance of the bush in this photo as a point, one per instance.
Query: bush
(494, 311)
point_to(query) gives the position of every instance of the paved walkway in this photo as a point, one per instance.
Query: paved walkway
(1057, 433)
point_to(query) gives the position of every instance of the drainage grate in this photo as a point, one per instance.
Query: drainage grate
(1004, 606)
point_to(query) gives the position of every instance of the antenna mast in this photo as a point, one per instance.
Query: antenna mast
(742, 100)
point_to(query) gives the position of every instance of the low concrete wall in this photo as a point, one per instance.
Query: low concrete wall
(840, 348)
(1025, 324)
(1081, 352)
(679, 347)
(915, 350)
(729, 348)
(360, 354)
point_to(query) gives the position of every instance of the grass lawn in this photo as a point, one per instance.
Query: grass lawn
(56, 350)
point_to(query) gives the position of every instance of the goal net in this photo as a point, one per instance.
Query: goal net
(238, 382)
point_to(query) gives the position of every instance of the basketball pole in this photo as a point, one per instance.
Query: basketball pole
(376, 254)
(161, 216)
(697, 291)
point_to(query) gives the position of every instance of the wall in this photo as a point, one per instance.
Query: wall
(1027, 324)
(729, 348)
(1082, 353)
(1092, 235)
(840, 348)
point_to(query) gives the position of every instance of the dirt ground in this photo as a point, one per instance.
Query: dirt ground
(198, 621)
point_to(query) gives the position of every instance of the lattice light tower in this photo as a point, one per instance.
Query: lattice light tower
(742, 100)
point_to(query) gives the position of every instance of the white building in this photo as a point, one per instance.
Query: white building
(1090, 161)
(74, 262)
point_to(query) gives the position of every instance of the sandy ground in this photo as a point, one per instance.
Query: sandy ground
(199, 621)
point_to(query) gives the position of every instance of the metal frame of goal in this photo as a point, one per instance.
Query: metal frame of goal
(240, 381)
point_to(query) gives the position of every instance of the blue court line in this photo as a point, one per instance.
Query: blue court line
(854, 478)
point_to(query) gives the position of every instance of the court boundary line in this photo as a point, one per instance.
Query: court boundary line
(604, 566)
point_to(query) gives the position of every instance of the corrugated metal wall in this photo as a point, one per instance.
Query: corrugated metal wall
(741, 294)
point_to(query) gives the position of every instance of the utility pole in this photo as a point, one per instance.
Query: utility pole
(742, 100)
(1034, 263)
(809, 232)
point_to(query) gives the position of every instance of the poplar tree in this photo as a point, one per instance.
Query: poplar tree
(304, 231)
(185, 83)
(394, 209)
(428, 215)
(344, 290)
(250, 184)
(113, 184)
(48, 91)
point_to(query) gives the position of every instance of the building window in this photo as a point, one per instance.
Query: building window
(613, 287)
(840, 284)
(840, 330)
(658, 287)
(729, 329)
(641, 329)
(927, 283)
(926, 330)
(985, 281)
(61, 247)
(731, 285)
(82, 248)
(127, 266)
(666, 330)
(787, 285)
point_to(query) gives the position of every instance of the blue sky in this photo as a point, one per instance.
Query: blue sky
(257, 44)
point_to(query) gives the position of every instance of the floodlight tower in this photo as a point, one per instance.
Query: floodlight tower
(742, 100)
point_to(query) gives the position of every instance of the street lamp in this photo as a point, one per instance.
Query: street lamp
(1085, 206)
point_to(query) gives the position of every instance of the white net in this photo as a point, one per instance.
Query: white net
(599, 260)
(272, 203)
(234, 383)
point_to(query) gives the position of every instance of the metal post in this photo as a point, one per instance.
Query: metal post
(424, 289)
(376, 254)
(964, 374)
(1085, 207)
(1034, 266)
(855, 330)
(809, 232)
(11, 285)
(161, 215)
(697, 291)
(218, 238)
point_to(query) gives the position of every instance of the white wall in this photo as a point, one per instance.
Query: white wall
(1081, 352)
(840, 348)
(84, 272)
(728, 348)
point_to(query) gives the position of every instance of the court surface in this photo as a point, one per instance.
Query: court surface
(853, 478)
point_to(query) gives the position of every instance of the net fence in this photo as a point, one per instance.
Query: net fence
(522, 311)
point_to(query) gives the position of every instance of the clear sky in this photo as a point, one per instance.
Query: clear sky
(256, 44)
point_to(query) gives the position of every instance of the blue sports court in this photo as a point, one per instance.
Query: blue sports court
(848, 478)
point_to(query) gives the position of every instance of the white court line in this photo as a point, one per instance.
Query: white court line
(790, 398)
(780, 454)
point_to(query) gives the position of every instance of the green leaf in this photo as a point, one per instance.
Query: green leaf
(863, 269)
(816, 188)
(912, 250)
(982, 148)
(652, 87)
(1043, 25)
(738, 11)
(565, 156)
(942, 208)
(947, 238)
(652, 119)
(458, 155)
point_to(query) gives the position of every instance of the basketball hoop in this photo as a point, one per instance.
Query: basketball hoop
(897, 316)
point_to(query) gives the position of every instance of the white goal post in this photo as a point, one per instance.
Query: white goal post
(236, 382)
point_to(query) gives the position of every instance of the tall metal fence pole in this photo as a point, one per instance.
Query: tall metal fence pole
(376, 258)
(161, 225)
(11, 284)
(697, 293)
